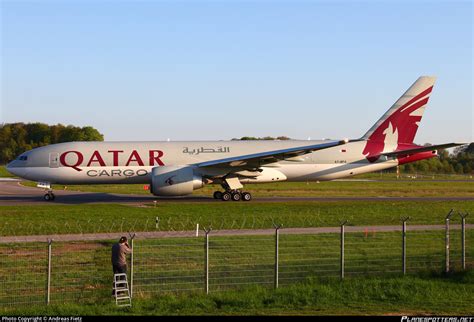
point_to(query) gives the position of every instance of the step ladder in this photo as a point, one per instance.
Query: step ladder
(121, 291)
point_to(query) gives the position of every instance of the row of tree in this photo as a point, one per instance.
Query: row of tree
(270, 138)
(16, 138)
(461, 161)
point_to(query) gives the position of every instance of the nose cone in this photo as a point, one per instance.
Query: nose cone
(11, 167)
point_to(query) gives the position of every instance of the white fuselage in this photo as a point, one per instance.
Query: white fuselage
(132, 162)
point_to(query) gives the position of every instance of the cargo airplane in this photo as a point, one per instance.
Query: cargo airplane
(179, 168)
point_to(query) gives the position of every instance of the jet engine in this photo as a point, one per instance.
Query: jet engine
(174, 181)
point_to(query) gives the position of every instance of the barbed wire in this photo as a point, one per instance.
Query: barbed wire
(185, 222)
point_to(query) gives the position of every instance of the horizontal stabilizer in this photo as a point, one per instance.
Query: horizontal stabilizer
(421, 149)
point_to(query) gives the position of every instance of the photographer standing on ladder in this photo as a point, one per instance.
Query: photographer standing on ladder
(119, 257)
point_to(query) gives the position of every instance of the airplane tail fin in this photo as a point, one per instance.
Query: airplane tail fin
(398, 126)
(404, 116)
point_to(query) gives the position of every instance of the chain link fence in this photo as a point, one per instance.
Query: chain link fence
(81, 271)
(23, 273)
(236, 261)
(164, 265)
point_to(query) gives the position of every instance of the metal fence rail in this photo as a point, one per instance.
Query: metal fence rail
(81, 272)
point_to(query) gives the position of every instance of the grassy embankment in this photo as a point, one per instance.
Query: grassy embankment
(373, 296)
(433, 295)
(44, 219)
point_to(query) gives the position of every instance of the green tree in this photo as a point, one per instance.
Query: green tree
(91, 134)
(458, 168)
(16, 138)
(248, 138)
(468, 169)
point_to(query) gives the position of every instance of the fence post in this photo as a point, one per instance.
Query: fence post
(132, 237)
(277, 237)
(404, 245)
(48, 283)
(342, 248)
(448, 216)
(463, 240)
(206, 260)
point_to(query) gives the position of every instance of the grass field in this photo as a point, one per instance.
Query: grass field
(4, 173)
(169, 276)
(44, 219)
(430, 295)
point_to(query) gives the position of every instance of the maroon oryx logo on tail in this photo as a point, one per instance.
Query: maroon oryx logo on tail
(399, 128)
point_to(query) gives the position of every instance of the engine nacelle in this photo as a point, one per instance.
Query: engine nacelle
(174, 181)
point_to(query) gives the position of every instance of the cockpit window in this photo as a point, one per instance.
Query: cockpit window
(23, 158)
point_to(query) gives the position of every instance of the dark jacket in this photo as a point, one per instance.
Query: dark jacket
(119, 252)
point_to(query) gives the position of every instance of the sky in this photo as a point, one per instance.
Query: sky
(202, 70)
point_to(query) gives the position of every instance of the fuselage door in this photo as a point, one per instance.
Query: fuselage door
(54, 160)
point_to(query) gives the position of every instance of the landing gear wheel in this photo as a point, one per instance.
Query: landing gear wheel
(217, 195)
(49, 196)
(246, 196)
(226, 196)
(236, 196)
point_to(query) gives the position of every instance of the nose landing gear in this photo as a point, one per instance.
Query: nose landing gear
(49, 196)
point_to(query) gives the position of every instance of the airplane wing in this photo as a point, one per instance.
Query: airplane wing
(421, 149)
(258, 159)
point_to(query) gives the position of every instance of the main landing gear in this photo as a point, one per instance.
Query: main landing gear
(234, 195)
(49, 196)
(232, 191)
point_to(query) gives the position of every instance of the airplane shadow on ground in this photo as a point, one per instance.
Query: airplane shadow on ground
(85, 198)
